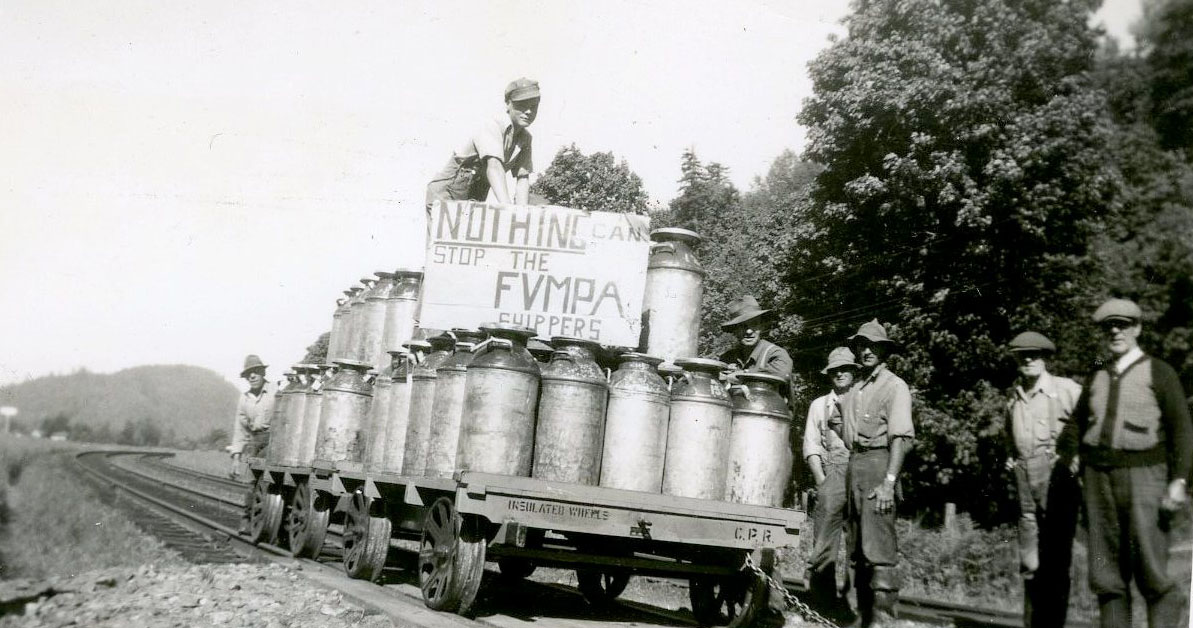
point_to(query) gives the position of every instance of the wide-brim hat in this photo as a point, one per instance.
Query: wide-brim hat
(874, 332)
(252, 361)
(743, 310)
(841, 356)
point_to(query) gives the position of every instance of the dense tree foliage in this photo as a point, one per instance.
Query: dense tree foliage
(316, 352)
(1166, 36)
(596, 182)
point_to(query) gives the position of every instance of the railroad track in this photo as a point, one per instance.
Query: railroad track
(198, 514)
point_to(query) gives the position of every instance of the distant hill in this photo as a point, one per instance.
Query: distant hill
(168, 403)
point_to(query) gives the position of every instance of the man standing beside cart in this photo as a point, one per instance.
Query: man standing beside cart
(1040, 406)
(828, 458)
(877, 429)
(250, 427)
(499, 146)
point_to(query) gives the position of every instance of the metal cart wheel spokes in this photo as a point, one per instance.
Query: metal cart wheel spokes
(732, 601)
(514, 568)
(600, 588)
(265, 513)
(366, 540)
(451, 558)
(307, 523)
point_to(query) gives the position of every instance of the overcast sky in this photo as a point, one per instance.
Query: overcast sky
(191, 182)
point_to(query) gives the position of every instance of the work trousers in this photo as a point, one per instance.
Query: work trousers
(828, 524)
(872, 545)
(1128, 540)
(256, 445)
(1048, 504)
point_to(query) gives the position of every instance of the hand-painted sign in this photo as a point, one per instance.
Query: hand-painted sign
(559, 271)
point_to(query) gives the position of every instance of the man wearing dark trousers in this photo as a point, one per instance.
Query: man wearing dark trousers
(877, 429)
(827, 458)
(1134, 436)
(1040, 405)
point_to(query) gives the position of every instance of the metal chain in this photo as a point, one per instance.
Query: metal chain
(791, 601)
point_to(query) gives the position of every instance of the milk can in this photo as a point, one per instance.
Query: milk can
(674, 290)
(378, 415)
(296, 405)
(401, 308)
(399, 409)
(311, 416)
(296, 427)
(497, 433)
(447, 409)
(698, 432)
(372, 336)
(571, 414)
(422, 395)
(759, 449)
(346, 399)
(337, 328)
(635, 426)
(278, 423)
(356, 314)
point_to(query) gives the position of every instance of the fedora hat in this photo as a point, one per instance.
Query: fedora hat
(874, 332)
(252, 361)
(743, 310)
(841, 356)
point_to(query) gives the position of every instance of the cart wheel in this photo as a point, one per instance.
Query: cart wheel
(366, 540)
(307, 523)
(601, 587)
(451, 559)
(731, 601)
(265, 513)
(514, 568)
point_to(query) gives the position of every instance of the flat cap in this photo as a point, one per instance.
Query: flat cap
(1032, 341)
(521, 89)
(1118, 309)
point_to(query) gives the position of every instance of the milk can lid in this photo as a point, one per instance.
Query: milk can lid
(675, 234)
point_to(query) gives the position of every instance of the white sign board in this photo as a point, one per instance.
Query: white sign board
(559, 271)
(8, 411)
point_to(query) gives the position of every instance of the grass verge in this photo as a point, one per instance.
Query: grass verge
(55, 525)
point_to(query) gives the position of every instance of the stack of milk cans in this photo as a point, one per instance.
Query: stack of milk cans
(397, 399)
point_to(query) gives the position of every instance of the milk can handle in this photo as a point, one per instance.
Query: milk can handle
(742, 390)
(688, 376)
(562, 355)
(658, 246)
(608, 375)
(493, 342)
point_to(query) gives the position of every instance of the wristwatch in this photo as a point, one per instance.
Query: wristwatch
(890, 477)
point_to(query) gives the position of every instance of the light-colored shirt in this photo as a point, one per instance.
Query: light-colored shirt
(1127, 358)
(253, 414)
(876, 409)
(464, 177)
(1036, 417)
(819, 438)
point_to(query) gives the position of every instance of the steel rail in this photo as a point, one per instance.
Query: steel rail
(910, 608)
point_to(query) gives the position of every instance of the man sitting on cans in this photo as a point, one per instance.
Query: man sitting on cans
(250, 428)
(748, 322)
(499, 146)
(828, 458)
(1135, 440)
(1039, 407)
(877, 429)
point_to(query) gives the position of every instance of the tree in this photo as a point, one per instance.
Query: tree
(965, 177)
(1165, 37)
(596, 182)
(317, 352)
